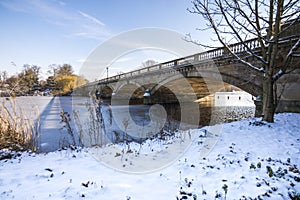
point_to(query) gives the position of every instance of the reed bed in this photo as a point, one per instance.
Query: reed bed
(17, 130)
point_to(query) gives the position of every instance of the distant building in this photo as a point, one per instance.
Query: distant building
(235, 98)
(228, 96)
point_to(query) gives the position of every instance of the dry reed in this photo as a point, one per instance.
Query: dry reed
(17, 130)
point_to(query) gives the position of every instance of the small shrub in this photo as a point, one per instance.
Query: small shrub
(194, 197)
(252, 166)
(270, 171)
(281, 172)
(274, 189)
(66, 120)
(203, 191)
(258, 165)
(218, 195)
(294, 195)
(225, 188)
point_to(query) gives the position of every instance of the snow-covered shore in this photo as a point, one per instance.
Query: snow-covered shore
(250, 160)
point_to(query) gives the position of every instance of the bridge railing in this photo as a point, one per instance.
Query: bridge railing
(217, 53)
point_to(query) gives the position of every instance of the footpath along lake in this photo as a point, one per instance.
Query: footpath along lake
(53, 135)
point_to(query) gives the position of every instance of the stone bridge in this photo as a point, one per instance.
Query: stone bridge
(193, 77)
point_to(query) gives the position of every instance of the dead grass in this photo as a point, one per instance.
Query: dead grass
(17, 130)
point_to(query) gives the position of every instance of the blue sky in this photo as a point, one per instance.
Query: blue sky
(45, 32)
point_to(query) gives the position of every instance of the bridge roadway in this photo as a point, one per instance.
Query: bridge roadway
(193, 77)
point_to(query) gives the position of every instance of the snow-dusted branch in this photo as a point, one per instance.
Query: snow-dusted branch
(288, 60)
(294, 48)
(278, 75)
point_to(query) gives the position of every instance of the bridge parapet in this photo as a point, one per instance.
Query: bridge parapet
(214, 54)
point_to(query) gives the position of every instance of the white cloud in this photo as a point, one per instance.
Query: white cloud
(81, 60)
(93, 19)
(62, 3)
(73, 22)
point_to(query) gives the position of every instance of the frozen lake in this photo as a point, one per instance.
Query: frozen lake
(134, 120)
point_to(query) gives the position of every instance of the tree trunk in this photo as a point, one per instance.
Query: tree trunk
(268, 99)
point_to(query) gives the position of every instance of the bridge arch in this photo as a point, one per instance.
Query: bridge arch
(245, 85)
(205, 84)
(123, 83)
(164, 82)
(104, 91)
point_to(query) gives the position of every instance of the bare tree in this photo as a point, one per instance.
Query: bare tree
(149, 63)
(3, 78)
(53, 69)
(268, 21)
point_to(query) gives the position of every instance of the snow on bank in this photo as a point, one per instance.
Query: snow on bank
(250, 160)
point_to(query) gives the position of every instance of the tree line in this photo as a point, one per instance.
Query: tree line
(61, 81)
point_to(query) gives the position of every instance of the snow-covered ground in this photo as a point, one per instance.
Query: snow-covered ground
(249, 160)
